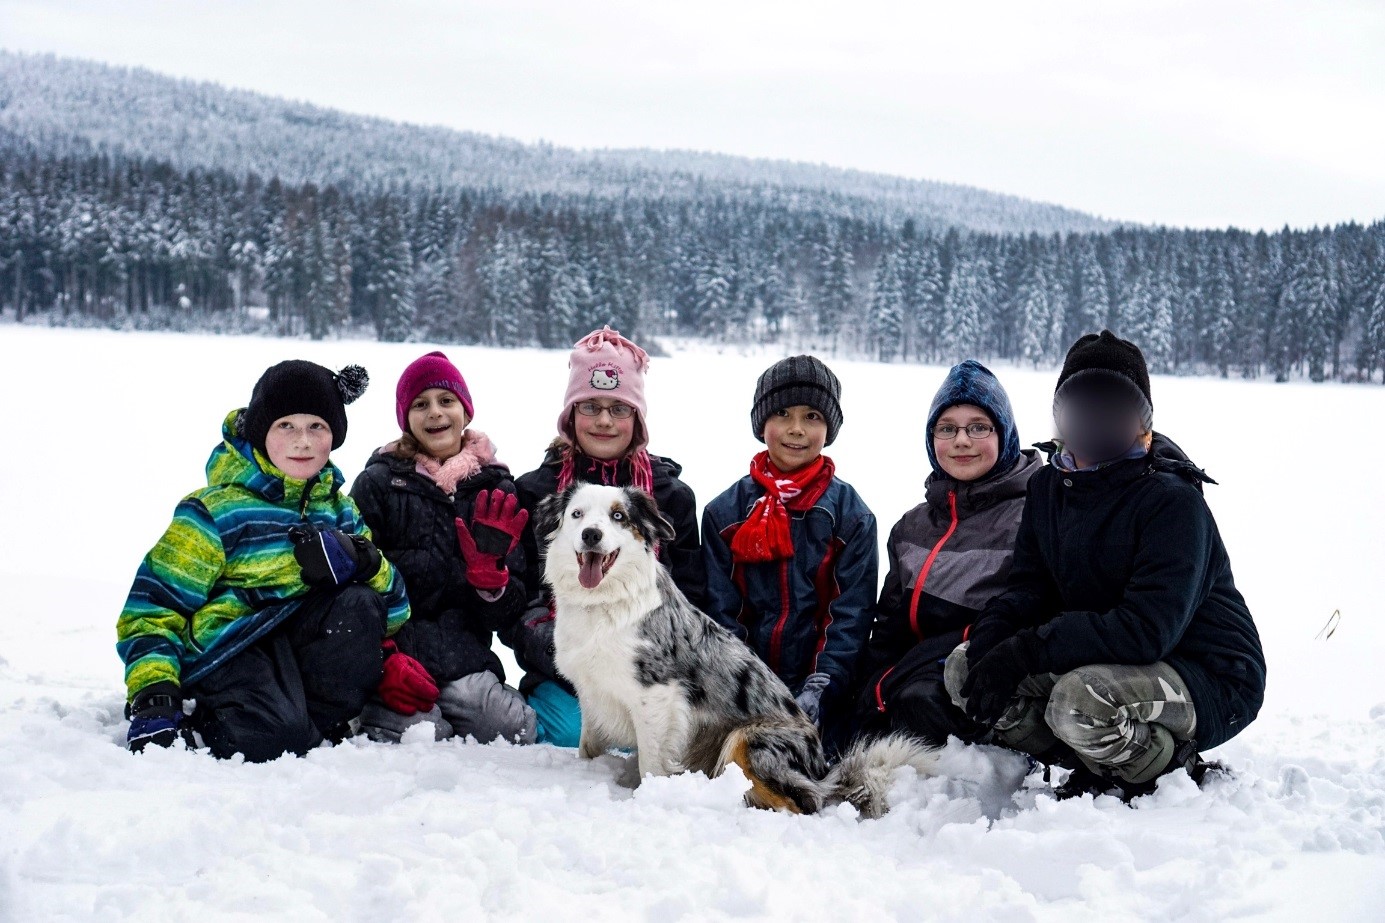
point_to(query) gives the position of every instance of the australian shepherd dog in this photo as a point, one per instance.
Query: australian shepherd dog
(654, 673)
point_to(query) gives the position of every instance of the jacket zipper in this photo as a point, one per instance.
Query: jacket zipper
(928, 565)
(914, 599)
(776, 639)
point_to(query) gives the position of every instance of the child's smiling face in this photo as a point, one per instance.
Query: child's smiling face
(438, 420)
(965, 457)
(795, 436)
(601, 435)
(299, 444)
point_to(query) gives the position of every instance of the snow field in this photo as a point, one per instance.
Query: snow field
(106, 431)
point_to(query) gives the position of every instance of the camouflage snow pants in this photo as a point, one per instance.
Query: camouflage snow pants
(1120, 720)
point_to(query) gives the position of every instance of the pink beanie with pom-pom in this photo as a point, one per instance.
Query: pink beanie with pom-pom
(605, 364)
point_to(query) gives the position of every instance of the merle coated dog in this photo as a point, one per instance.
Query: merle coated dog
(654, 673)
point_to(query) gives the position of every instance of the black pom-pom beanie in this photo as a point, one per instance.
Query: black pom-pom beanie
(299, 386)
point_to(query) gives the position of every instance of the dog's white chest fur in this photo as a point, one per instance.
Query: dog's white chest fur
(598, 653)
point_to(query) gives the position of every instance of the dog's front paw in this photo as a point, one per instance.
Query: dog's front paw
(630, 775)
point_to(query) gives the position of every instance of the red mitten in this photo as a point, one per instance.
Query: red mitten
(497, 521)
(405, 685)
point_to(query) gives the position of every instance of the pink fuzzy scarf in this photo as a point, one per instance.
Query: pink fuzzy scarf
(477, 451)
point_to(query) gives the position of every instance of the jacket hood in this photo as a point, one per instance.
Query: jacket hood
(237, 463)
(1164, 455)
(970, 382)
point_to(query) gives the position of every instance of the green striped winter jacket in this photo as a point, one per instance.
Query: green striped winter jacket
(223, 574)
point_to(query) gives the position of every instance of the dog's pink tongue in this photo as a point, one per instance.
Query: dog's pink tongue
(589, 574)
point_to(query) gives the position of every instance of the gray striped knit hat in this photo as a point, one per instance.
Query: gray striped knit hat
(793, 381)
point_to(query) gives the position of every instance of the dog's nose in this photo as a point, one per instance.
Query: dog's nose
(591, 535)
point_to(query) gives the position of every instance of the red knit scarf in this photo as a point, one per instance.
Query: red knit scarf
(764, 536)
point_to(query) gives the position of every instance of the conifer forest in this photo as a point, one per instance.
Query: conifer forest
(147, 236)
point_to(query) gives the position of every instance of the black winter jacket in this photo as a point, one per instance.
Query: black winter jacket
(412, 522)
(1125, 565)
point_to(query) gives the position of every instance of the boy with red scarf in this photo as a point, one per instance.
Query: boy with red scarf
(790, 549)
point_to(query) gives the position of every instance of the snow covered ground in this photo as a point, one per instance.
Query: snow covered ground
(103, 433)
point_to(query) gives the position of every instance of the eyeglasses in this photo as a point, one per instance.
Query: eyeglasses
(948, 432)
(617, 411)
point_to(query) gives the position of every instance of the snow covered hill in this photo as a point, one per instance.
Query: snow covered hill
(70, 106)
(104, 432)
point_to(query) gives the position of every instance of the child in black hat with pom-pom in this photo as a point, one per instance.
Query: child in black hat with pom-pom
(265, 600)
(1121, 646)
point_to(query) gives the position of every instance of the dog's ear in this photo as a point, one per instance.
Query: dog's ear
(646, 514)
(549, 515)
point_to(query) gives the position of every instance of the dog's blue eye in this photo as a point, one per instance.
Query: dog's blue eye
(618, 516)
(576, 514)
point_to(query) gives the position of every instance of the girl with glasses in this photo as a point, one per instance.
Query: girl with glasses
(947, 557)
(602, 439)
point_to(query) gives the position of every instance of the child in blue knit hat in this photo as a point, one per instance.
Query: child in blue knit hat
(948, 556)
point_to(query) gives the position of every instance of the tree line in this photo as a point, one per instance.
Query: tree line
(138, 243)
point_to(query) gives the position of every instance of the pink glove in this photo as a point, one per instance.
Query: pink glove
(496, 525)
(405, 685)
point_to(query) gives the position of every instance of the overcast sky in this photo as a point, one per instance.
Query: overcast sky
(1256, 113)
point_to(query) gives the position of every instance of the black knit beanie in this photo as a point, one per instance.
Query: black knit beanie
(1102, 390)
(1107, 351)
(797, 380)
(299, 386)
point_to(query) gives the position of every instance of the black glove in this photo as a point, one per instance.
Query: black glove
(156, 716)
(331, 557)
(985, 634)
(990, 685)
(536, 643)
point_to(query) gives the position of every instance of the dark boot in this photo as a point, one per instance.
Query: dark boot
(1082, 781)
(1185, 756)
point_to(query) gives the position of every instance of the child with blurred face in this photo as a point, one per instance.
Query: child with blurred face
(790, 549)
(602, 439)
(947, 557)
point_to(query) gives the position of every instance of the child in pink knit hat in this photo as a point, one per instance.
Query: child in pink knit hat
(443, 509)
(602, 439)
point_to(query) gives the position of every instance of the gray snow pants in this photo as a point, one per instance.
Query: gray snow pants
(1120, 720)
(479, 705)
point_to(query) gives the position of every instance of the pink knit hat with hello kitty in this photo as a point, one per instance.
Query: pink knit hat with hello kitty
(605, 364)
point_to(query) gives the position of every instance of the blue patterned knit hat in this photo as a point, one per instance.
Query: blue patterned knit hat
(970, 382)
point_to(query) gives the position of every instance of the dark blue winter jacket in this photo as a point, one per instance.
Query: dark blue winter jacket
(1125, 565)
(811, 613)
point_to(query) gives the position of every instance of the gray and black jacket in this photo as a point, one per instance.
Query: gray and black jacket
(948, 557)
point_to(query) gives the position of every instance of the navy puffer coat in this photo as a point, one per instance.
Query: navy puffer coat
(1125, 565)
